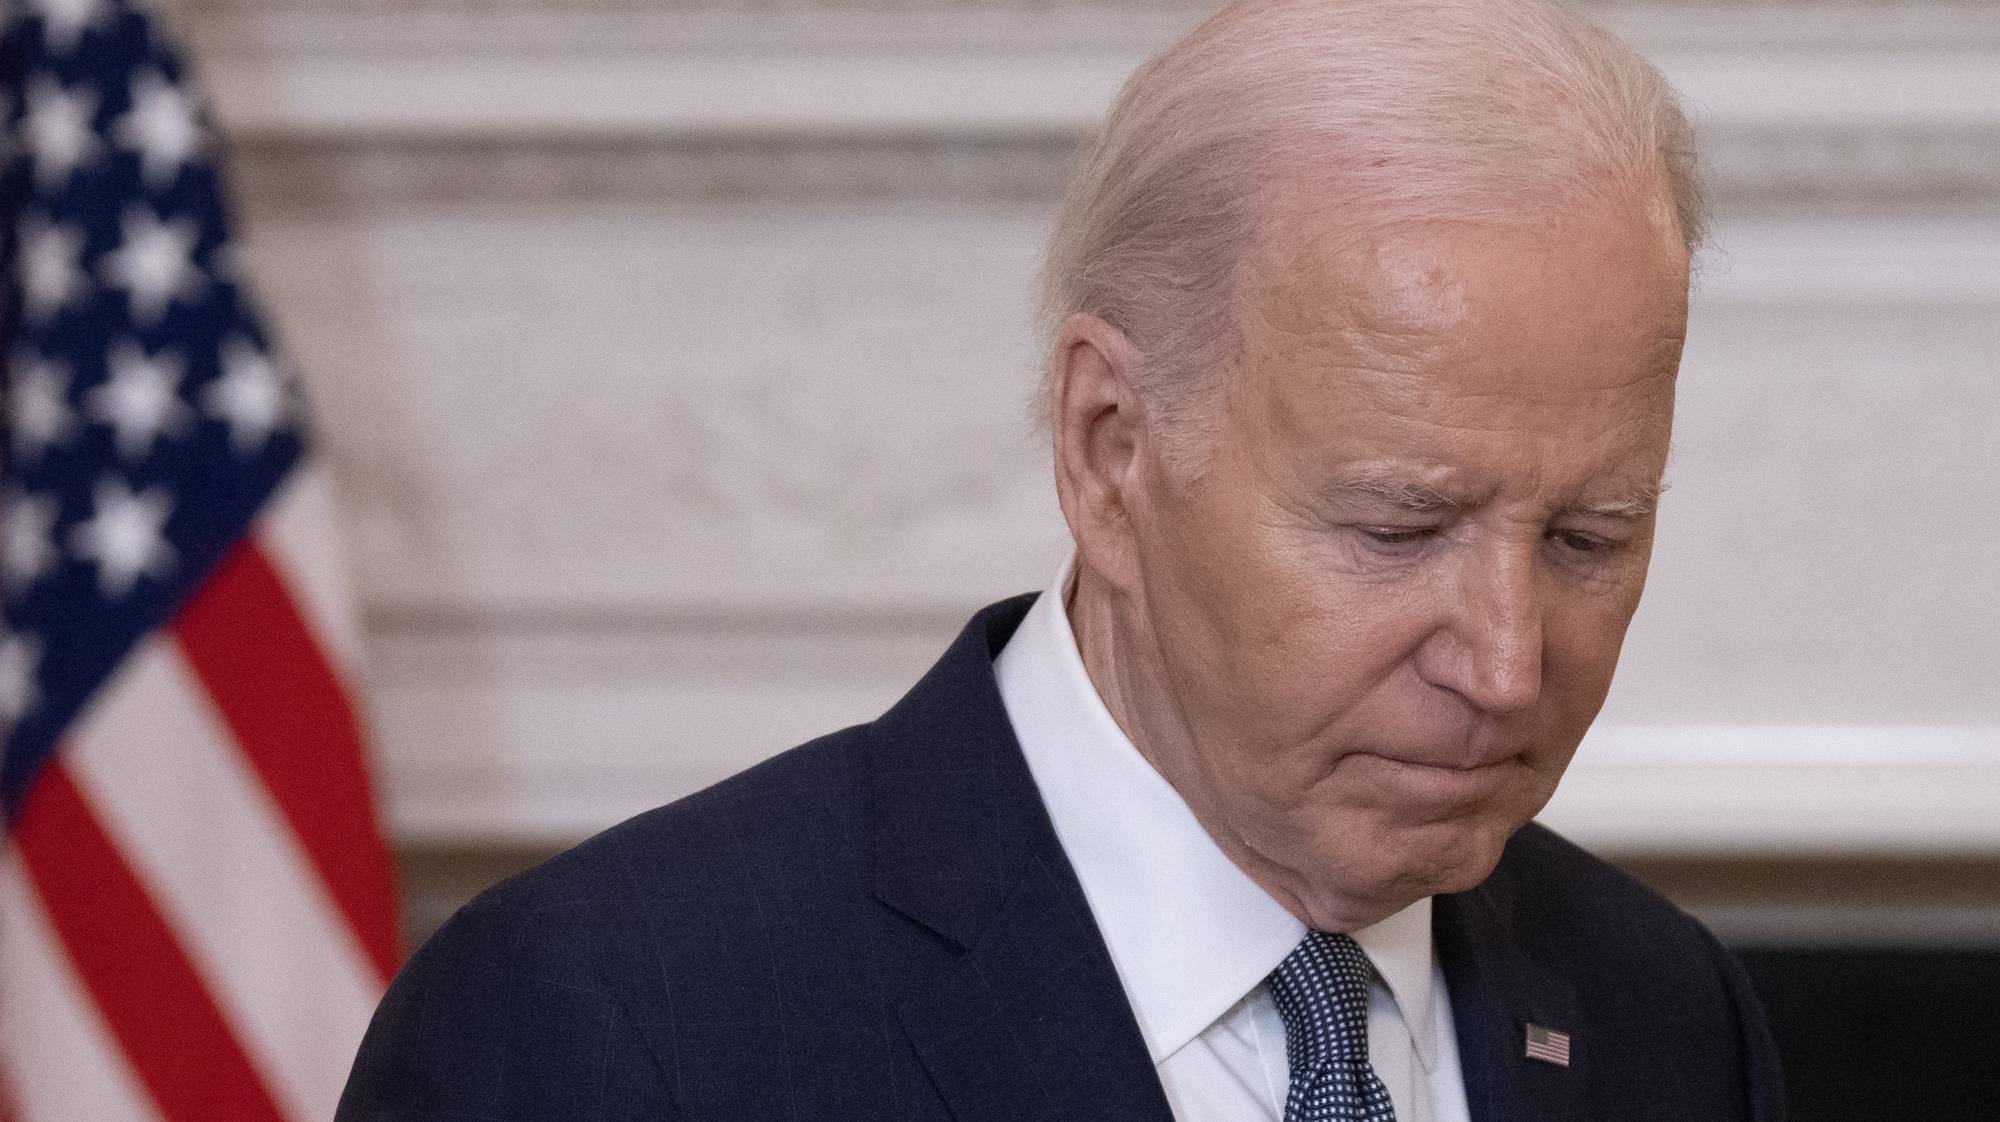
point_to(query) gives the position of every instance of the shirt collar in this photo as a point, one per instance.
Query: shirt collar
(1399, 946)
(1189, 933)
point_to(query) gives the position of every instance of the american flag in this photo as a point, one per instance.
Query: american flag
(196, 915)
(1548, 1045)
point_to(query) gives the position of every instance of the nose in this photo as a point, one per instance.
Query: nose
(1489, 650)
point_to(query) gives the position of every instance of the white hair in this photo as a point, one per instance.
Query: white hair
(1402, 110)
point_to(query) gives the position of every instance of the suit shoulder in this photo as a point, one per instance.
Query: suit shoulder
(802, 805)
(1541, 867)
(1570, 906)
(551, 980)
(1609, 933)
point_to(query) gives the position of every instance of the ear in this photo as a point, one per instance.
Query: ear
(1100, 435)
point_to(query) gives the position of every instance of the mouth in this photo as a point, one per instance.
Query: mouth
(1455, 782)
(1484, 763)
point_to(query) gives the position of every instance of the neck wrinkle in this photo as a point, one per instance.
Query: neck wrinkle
(1093, 621)
(1087, 601)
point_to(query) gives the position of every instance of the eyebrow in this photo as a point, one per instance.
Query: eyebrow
(1641, 502)
(1407, 494)
(1404, 494)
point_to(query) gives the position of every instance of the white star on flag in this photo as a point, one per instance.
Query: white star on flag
(26, 552)
(20, 656)
(64, 21)
(141, 400)
(125, 536)
(51, 269)
(154, 263)
(249, 397)
(37, 403)
(162, 126)
(57, 130)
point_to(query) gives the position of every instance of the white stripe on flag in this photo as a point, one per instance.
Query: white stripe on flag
(297, 528)
(60, 1061)
(198, 826)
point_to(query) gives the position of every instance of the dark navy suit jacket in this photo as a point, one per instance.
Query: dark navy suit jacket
(880, 924)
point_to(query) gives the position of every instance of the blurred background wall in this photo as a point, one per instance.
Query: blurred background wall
(673, 361)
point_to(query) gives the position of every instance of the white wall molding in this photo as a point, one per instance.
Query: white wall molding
(537, 735)
(1943, 168)
(527, 743)
(321, 26)
(367, 103)
(1748, 790)
(467, 90)
(1816, 100)
(303, 178)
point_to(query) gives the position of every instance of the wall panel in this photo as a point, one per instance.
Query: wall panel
(673, 361)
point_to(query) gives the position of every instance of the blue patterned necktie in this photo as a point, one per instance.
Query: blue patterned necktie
(1321, 990)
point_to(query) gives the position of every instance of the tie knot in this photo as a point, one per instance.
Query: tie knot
(1321, 990)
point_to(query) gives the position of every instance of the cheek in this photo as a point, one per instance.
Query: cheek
(1214, 588)
(1320, 678)
(1301, 644)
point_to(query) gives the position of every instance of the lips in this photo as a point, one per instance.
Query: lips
(1430, 784)
(1480, 763)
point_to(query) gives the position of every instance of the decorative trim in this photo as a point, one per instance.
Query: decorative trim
(291, 176)
(493, 746)
(1939, 168)
(1836, 100)
(630, 94)
(1793, 790)
(1849, 103)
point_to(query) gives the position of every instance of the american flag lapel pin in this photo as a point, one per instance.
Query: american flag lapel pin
(1548, 1045)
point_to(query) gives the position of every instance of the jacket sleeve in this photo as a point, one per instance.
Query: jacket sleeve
(502, 1016)
(1763, 1074)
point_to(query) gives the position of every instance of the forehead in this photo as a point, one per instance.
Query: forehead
(1565, 331)
(1617, 266)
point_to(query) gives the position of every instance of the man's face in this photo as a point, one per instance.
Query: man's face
(1390, 606)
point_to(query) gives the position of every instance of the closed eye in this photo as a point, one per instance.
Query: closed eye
(1579, 543)
(1389, 536)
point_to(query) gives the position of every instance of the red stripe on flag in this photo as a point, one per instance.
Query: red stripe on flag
(127, 957)
(257, 658)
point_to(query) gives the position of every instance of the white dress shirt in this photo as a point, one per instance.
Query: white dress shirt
(1191, 935)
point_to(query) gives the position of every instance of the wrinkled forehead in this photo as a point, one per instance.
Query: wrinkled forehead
(1599, 292)
(1532, 356)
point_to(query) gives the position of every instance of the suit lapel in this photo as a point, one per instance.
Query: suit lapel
(1032, 1022)
(1497, 991)
(1028, 1020)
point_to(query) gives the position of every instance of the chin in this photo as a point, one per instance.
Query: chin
(1468, 871)
(1407, 865)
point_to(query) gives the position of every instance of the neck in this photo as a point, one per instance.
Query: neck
(1108, 627)
(1121, 655)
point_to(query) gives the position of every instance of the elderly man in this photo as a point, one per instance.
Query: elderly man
(1366, 317)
